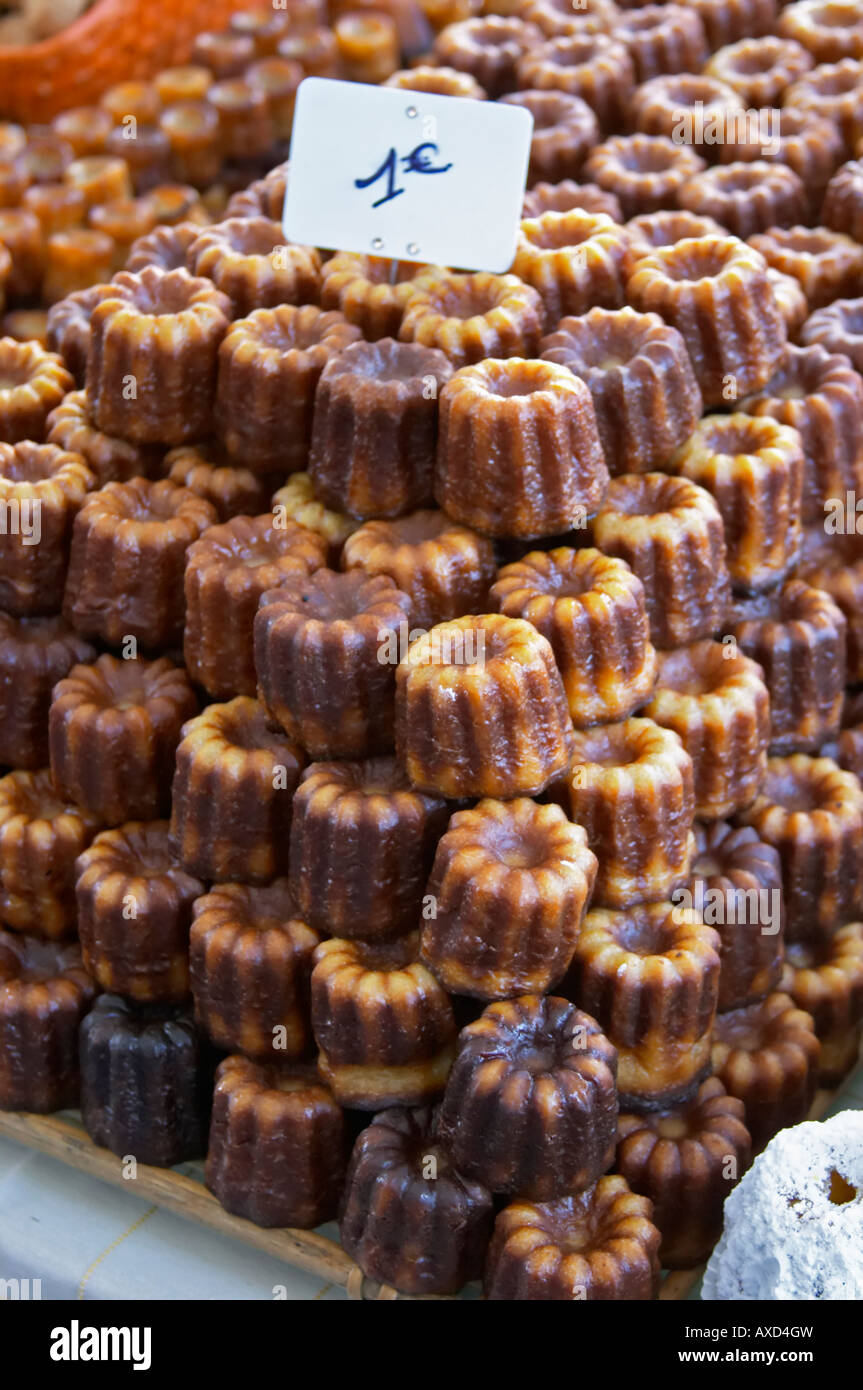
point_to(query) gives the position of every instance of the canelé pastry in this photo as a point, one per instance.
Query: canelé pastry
(269, 367)
(843, 200)
(250, 962)
(644, 172)
(838, 328)
(375, 424)
(159, 330)
(736, 885)
(640, 378)
(113, 728)
(556, 18)
(753, 468)
(650, 976)
(35, 653)
(362, 845)
(69, 329)
(715, 699)
(445, 569)
(564, 132)
(759, 70)
(686, 1159)
(683, 104)
(807, 142)
(402, 1181)
(231, 796)
(364, 290)
(21, 234)
(70, 426)
(827, 264)
(767, 1056)
(631, 786)
(568, 195)
(797, 635)
(383, 1024)
(322, 669)
(834, 90)
(145, 1082)
(510, 884)
(595, 67)
(715, 291)
(821, 396)
(575, 260)
(41, 834)
(296, 502)
(74, 260)
(441, 81)
(655, 229)
(828, 29)
(127, 560)
(519, 451)
(663, 39)
(246, 129)
(489, 48)
(277, 1150)
(591, 609)
(812, 813)
(42, 487)
(747, 197)
(531, 1104)
(44, 993)
(134, 910)
(833, 563)
(600, 1244)
(167, 248)
(205, 471)
(227, 571)
(847, 749)
(481, 710)
(33, 383)
(247, 259)
(472, 317)
(669, 531)
(825, 979)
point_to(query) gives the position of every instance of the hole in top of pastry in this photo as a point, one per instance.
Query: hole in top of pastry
(758, 57)
(517, 377)
(643, 931)
(742, 1029)
(32, 960)
(394, 954)
(647, 155)
(556, 231)
(697, 258)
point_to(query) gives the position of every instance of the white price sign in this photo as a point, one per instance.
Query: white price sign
(408, 175)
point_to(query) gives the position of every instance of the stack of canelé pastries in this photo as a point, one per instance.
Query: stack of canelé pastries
(432, 699)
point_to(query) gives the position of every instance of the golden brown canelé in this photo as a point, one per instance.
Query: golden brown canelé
(113, 729)
(683, 103)
(481, 710)
(753, 468)
(375, 427)
(827, 265)
(591, 609)
(35, 653)
(767, 1056)
(842, 209)
(531, 1104)
(827, 29)
(564, 132)
(825, 979)
(383, 1024)
(445, 569)
(519, 452)
(576, 260)
(759, 70)
(838, 328)
(250, 959)
(167, 248)
(227, 571)
(654, 229)
(797, 635)
(791, 301)
(364, 290)
(32, 383)
(631, 786)
(21, 234)
(489, 48)
(832, 90)
(821, 396)
(715, 700)
(595, 67)
(134, 911)
(832, 561)
(277, 1151)
(509, 886)
(127, 561)
(736, 885)
(296, 502)
(747, 197)
(568, 195)
(812, 813)
(805, 141)
(715, 291)
(42, 488)
(269, 367)
(472, 317)
(670, 533)
(640, 378)
(686, 1159)
(231, 795)
(402, 1179)
(556, 18)
(205, 470)
(644, 172)
(151, 365)
(441, 81)
(247, 259)
(726, 21)
(44, 994)
(663, 39)
(601, 1244)
(70, 426)
(362, 845)
(324, 671)
(41, 835)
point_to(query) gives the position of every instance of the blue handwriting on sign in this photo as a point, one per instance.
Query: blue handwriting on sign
(419, 161)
